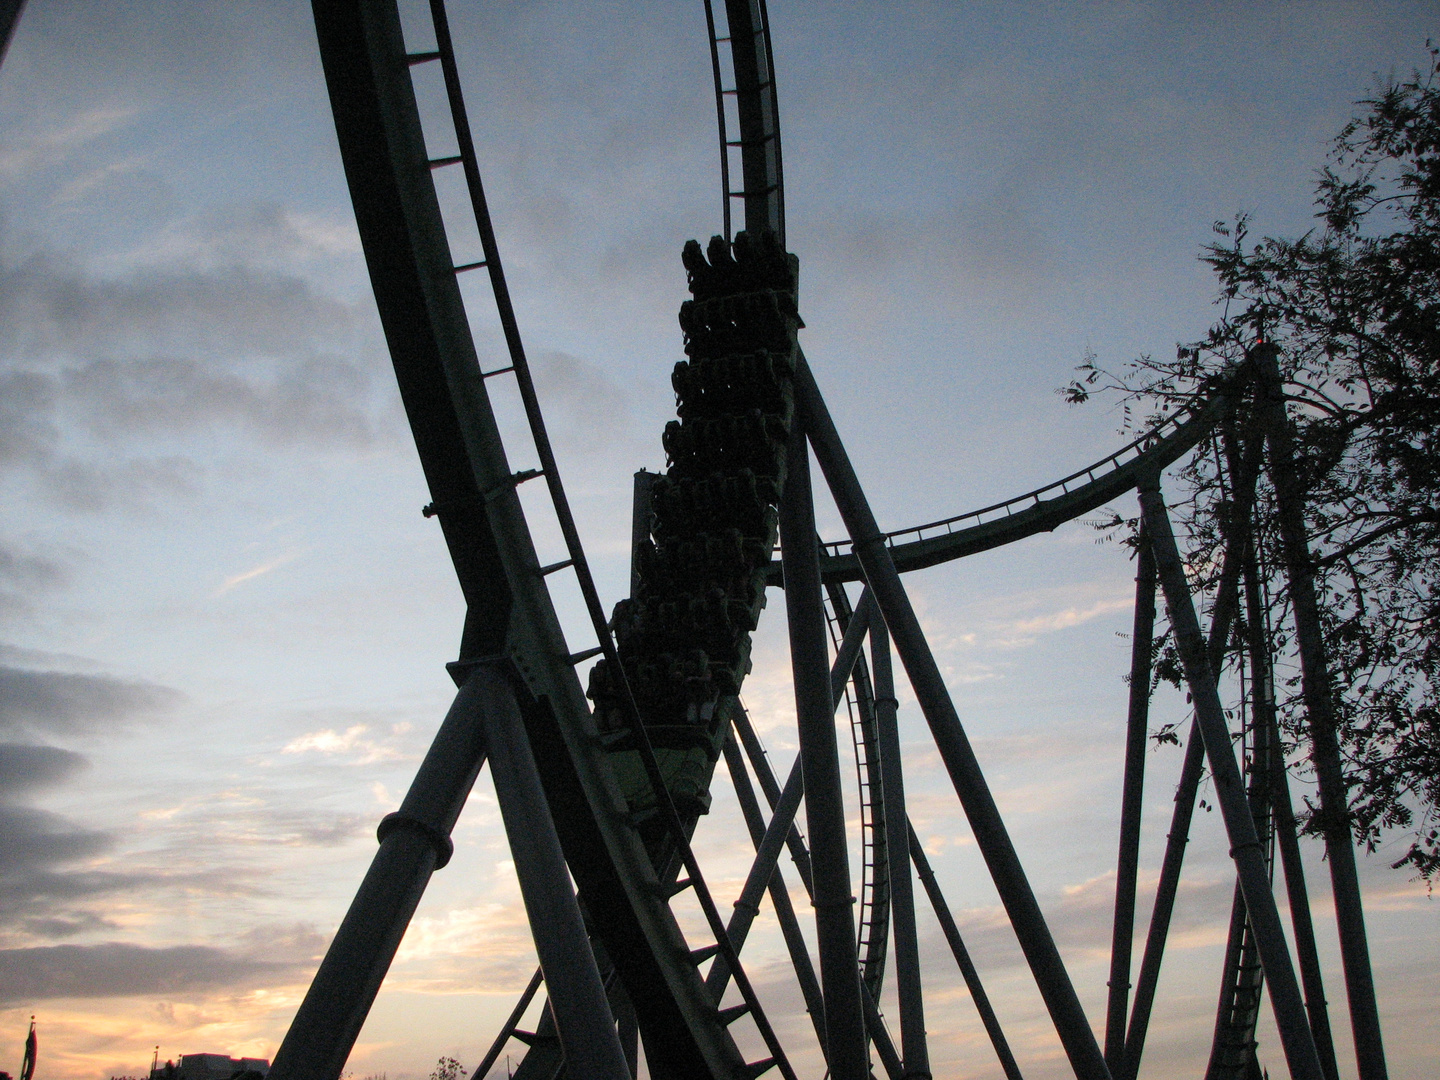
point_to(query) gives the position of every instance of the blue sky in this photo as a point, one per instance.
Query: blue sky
(223, 621)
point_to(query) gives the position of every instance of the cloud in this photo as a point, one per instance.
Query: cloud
(209, 332)
(23, 575)
(582, 392)
(1080, 919)
(315, 400)
(1016, 620)
(250, 234)
(68, 703)
(351, 742)
(258, 571)
(31, 838)
(54, 307)
(121, 970)
(135, 486)
(29, 768)
(1027, 629)
(50, 144)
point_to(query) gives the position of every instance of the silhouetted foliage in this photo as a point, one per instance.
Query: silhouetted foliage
(447, 1068)
(1354, 306)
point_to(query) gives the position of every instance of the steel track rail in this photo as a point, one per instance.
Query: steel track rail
(873, 922)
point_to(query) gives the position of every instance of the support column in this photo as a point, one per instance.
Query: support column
(1307, 955)
(1315, 685)
(847, 1049)
(913, 1049)
(962, 956)
(414, 843)
(1131, 806)
(639, 523)
(1226, 607)
(748, 906)
(991, 835)
(1249, 857)
(577, 995)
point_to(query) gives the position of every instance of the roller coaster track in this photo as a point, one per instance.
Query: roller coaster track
(620, 790)
(611, 798)
(1042, 510)
(512, 644)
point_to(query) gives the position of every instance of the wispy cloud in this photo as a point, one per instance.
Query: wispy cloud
(53, 144)
(351, 741)
(1068, 617)
(255, 572)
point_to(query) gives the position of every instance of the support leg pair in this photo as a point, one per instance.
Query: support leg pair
(485, 720)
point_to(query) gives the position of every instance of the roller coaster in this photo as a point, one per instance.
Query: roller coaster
(604, 783)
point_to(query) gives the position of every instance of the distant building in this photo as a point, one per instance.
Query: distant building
(212, 1067)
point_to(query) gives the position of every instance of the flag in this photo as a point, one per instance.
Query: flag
(27, 1068)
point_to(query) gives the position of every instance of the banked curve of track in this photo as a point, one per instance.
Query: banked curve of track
(1043, 509)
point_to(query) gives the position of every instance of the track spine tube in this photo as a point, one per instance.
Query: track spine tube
(1316, 689)
(990, 833)
(1245, 849)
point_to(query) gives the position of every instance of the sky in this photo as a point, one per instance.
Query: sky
(224, 622)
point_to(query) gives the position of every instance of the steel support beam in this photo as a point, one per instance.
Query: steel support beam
(414, 842)
(577, 995)
(934, 697)
(640, 514)
(1132, 806)
(1262, 682)
(962, 956)
(783, 805)
(1315, 684)
(1222, 617)
(1307, 954)
(1245, 849)
(846, 1045)
(913, 1049)
(1166, 888)
(748, 905)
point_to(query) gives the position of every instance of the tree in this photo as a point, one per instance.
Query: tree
(447, 1068)
(1354, 307)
